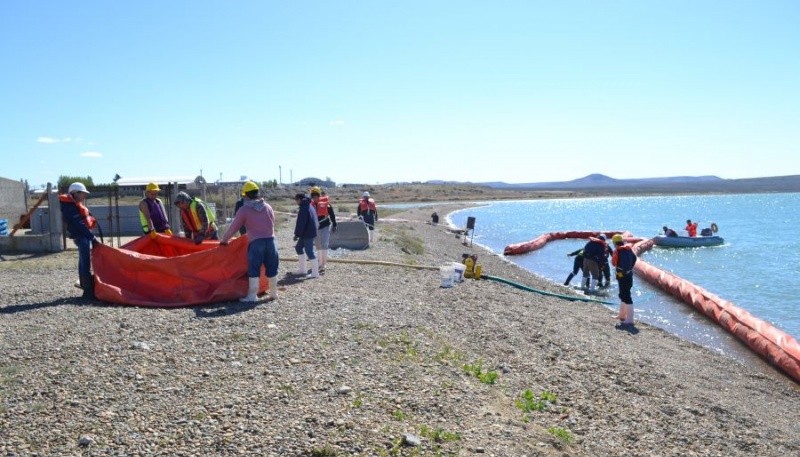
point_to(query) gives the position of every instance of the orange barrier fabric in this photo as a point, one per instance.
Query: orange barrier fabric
(171, 272)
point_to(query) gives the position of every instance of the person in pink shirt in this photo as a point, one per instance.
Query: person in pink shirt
(259, 219)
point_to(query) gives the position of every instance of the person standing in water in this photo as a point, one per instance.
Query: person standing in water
(624, 260)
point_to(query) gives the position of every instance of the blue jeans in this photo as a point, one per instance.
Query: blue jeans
(262, 251)
(307, 245)
(84, 256)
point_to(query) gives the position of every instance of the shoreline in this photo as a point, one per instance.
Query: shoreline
(728, 345)
(351, 363)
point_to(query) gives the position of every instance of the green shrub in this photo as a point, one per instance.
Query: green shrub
(486, 377)
(528, 402)
(438, 435)
(562, 434)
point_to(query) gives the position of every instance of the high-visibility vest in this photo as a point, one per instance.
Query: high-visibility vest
(191, 220)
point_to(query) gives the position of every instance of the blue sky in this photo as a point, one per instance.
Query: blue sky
(383, 91)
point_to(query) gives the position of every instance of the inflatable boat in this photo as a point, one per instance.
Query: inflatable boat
(687, 241)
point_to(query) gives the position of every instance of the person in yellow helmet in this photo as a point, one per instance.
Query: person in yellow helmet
(624, 260)
(327, 224)
(152, 214)
(259, 218)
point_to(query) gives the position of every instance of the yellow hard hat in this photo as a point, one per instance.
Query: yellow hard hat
(249, 186)
(152, 186)
(315, 190)
(617, 238)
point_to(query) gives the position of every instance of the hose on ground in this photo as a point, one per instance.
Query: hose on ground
(372, 262)
(543, 292)
(492, 278)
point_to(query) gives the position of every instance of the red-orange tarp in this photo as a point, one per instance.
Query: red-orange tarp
(171, 272)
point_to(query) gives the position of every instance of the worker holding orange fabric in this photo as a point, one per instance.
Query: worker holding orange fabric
(259, 218)
(198, 220)
(152, 214)
(79, 224)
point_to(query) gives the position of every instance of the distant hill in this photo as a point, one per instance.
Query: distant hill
(598, 183)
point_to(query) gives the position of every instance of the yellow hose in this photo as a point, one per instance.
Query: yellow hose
(372, 262)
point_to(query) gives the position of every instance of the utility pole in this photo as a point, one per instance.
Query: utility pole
(280, 177)
(291, 179)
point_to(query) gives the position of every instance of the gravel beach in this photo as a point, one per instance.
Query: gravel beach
(372, 360)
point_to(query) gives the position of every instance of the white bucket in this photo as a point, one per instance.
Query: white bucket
(446, 273)
(458, 271)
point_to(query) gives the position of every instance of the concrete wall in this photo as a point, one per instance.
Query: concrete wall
(128, 223)
(12, 201)
(46, 242)
(40, 238)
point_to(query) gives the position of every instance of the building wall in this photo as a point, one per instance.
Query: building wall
(12, 200)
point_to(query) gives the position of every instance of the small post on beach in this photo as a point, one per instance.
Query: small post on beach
(470, 230)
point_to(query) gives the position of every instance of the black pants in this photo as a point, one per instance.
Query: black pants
(625, 285)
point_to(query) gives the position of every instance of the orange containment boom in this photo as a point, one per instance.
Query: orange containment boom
(171, 272)
(537, 243)
(774, 345)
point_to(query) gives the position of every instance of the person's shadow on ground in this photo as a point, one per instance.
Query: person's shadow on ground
(630, 328)
(226, 309)
(22, 308)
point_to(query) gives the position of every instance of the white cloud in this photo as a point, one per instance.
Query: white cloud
(50, 140)
(92, 154)
(336, 123)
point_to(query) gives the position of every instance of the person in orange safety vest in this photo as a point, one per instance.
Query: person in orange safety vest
(691, 227)
(79, 223)
(327, 223)
(198, 220)
(368, 212)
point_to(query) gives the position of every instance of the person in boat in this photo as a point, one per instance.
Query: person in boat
(152, 214)
(624, 260)
(259, 218)
(79, 224)
(577, 265)
(594, 252)
(691, 228)
(198, 220)
(327, 223)
(669, 232)
(707, 232)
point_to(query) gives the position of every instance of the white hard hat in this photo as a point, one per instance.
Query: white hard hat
(77, 187)
(365, 194)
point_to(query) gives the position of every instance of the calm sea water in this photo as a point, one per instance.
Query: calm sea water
(755, 268)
